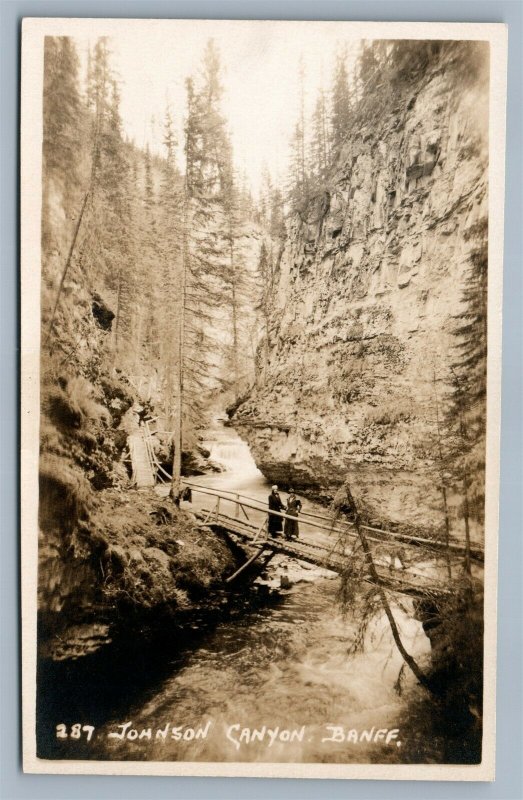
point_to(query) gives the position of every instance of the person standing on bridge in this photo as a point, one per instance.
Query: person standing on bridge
(275, 504)
(291, 529)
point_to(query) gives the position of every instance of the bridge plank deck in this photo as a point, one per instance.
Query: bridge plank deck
(404, 581)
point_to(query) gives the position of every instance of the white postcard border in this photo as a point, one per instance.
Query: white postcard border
(33, 33)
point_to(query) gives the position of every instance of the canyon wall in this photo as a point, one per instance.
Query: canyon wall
(370, 289)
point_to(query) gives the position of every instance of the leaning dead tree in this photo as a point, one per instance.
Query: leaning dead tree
(344, 504)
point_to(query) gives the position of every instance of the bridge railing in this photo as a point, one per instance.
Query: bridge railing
(423, 570)
(340, 526)
(238, 498)
(452, 547)
(257, 505)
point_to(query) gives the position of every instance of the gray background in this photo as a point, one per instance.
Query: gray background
(509, 785)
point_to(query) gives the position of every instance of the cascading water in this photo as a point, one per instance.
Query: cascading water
(232, 454)
(235, 456)
(277, 683)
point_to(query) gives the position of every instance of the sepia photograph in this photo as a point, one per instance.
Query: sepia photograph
(261, 288)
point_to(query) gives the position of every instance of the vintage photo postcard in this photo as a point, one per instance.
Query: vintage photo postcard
(261, 338)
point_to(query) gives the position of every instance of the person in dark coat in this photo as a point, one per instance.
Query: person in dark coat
(291, 530)
(275, 504)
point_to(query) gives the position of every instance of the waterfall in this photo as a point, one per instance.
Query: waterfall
(234, 455)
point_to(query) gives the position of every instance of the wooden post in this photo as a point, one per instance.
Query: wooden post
(217, 512)
(247, 563)
(237, 506)
(259, 531)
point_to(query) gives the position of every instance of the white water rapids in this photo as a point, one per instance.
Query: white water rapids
(284, 666)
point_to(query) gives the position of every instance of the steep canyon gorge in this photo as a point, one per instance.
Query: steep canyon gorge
(370, 284)
(331, 320)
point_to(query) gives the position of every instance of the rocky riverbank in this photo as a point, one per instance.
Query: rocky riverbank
(108, 553)
(136, 557)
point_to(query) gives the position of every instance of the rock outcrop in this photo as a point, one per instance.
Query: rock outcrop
(370, 286)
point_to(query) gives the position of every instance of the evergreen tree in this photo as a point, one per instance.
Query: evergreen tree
(466, 416)
(340, 113)
(206, 237)
(320, 146)
(148, 182)
(299, 173)
(266, 191)
(150, 262)
(236, 279)
(115, 224)
(63, 134)
(62, 108)
(301, 129)
(277, 216)
(264, 301)
(63, 121)
(108, 251)
(173, 340)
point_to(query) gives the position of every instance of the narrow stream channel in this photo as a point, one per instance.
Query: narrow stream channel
(276, 682)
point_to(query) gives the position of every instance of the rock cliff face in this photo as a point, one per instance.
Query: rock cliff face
(370, 286)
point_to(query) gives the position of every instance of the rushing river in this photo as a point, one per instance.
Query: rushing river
(274, 681)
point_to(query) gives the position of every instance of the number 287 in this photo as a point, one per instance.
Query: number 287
(75, 732)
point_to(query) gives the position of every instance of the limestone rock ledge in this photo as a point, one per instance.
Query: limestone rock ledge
(369, 288)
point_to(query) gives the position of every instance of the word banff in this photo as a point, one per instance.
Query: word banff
(332, 733)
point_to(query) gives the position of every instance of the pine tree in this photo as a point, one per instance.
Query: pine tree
(340, 109)
(173, 355)
(112, 200)
(62, 108)
(467, 412)
(299, 174)
(264, 301)
(205, 236)
(148, 182)
(277, 216)
(151, 324)
(301, 130)
(320, 146)
(264, 202)
(63, 133)
(236, 279)
(107, 253)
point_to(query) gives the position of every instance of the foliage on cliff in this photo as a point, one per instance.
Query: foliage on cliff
(118, 557)
(362, 96)
(107, 224)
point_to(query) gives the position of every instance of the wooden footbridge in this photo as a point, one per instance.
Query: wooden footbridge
(410, 565)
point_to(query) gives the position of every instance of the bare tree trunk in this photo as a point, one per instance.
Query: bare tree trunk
(410, 662)
(443, 488)
(179, 354)
(447, 528)
(466, 518)
(117, 315)
(234, 309)
(67, 264)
